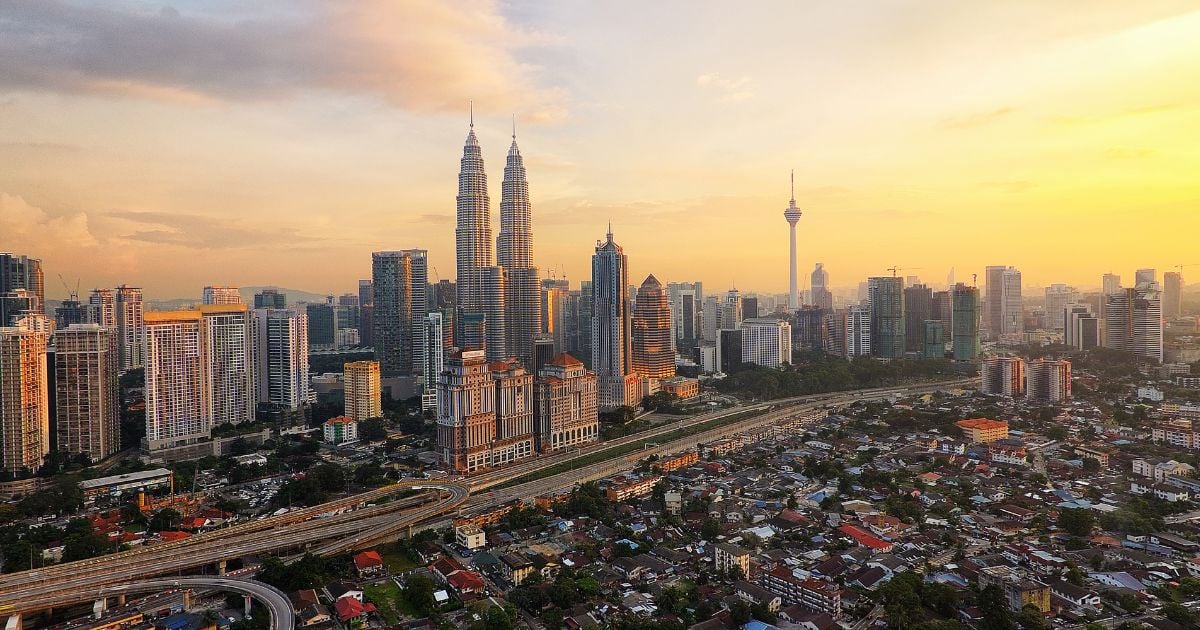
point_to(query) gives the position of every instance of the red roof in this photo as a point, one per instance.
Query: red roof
(349, 608)
(466, 582)
(172, 536)
(368, 560)
(565, 360)
(864, 538)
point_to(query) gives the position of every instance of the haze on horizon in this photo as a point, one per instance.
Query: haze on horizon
(174, 145)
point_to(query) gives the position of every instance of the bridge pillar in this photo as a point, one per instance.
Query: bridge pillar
(221, 565)
(247, 611)
(187, 599)
(410, 530)
(120, 600)
(99, 607)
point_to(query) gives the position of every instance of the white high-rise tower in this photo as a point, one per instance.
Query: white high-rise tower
(792, 214)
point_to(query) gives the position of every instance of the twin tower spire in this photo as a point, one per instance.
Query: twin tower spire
(499, 301)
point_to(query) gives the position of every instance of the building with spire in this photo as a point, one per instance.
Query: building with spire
(480, 283)
(514, 254)
(792, 214)
(611, 344)
(653, 357)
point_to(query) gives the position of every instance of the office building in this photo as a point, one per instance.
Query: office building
(731, 310)
(1133, 321)
(749, 306)
(710, 318)
(943, 311)
(821, 295)
(885, 296)
(366, 313)
(856, 331)
(766, 342)
(729, 350)
(24, 396)
(1172, 299)
(87, 391)
(612, 347)
(72, 311)
(686, 301)
(581, 304)
(270, 298)
(555, 293)
(1003, 304)
(221, 295)
(514, 412)
(22, 287)
(808, 329)
(514, 254)
(349, 311)
(792, 215)
(322, 325)
(1110, 283)
(1048, 380)
(567, 405)
(918, 309)
(1003, 376)
(653, 357)
(1082, 329)
(363, 392)
(934, 337)
(399, 306)
(543, 351)
(122, 310)
(1145, 276)
(480, 283)
(281, 351)
(1059, 298)
(967, 312)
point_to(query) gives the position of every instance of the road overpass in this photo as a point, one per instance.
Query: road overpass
(278, 606)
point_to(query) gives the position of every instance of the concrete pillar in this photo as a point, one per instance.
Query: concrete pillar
(99, 607)
(221, 564)
(248, 600)
(187, 599)
(120, 600)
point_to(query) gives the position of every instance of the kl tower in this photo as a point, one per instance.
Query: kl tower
(792, 214)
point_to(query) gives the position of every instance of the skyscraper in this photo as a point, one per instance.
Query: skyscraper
(480, 283)
(129, 311)
(554, 310)
(1059, 298)
(514, 254)
(364, 395)
(583, 345)
(1111, 283)
(1082, 327)
(72, 311)
(270, 298)
(322, 325)
(221, 295)
(281, 351)
(792, 214)
(686, 300)
(918, 308)
(943, 311)
(731, 310)
(935, 340)
(1172, 295)
(20, 273)
(366, 313)
(1145, 275)
(1004, 310)
(885, 296)
(651, 337)
(821, 296)
(966, 306)
(1133, 321)
(611, 343)
(87, 391)
(484, 412)
(710, 318)
(399, 280)
(766, 342)
(567, 407)
(24, 397)
(437, 344)
(857, 331)
(229, 371)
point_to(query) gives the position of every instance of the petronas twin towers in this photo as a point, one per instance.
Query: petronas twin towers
(499, 306)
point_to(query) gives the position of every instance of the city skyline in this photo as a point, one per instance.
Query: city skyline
(314, 177)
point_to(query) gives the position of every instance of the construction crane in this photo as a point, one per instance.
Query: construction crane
(894, 269)
(71, 295)
(1182, 267)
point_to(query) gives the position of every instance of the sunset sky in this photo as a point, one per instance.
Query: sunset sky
(176, 144)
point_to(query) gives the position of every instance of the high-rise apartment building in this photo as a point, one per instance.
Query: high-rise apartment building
(934, 337)
(612, 351)
(1004, 308)
(653, 357)
(437, 341)
(567, 405)
(1003, 376)
(122, 310)
(821, 295)
(943, 311)
(1059, 299)
(87, 391)
(366, 313)
(766, 342)
(1133, 321)
(281, 351)
(1048, 380)
(885, 296)
(20, 274)
(221, 295)
(965, 339)
(24, 396)
(200, 372)
(856, 331)
(270, 298)
(480, 283)
(514, 254)
(364, 395)
(808, 329)
(918, 308)
(1172, 295)
(400, 304)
